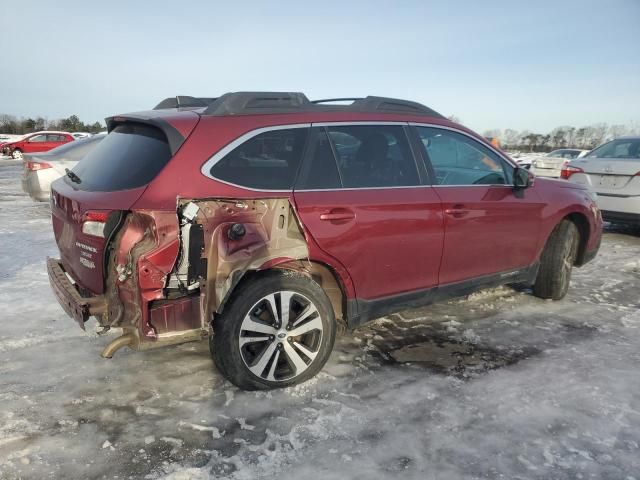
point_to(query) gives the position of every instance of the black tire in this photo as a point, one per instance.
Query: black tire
(282, 367)
(556, 262)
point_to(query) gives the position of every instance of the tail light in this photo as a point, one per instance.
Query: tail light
(93, 223)
(568, 170)
(35, 166)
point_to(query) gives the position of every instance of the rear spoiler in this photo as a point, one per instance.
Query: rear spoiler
(156, 119)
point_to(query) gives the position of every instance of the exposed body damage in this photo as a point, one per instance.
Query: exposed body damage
(150, 298)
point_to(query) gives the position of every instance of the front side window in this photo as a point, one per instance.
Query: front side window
(267, 161)
(373, 156)
(459, 160)
(38, 139)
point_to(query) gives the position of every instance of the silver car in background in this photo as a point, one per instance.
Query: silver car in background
(41, 169)
(551, 164)
(612, 171)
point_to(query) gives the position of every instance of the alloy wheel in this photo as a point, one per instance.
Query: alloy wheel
(280, 336)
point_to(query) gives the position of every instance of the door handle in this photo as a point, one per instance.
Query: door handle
(457, 211)
(337, 215)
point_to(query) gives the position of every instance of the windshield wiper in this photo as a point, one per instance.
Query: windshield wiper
(74, 178)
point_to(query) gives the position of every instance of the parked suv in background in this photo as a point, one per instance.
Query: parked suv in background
(266, 221)
(36, 142)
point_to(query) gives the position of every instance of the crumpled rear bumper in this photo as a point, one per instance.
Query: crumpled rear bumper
(77, 307)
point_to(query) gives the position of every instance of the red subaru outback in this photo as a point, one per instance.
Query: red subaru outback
(266, 221)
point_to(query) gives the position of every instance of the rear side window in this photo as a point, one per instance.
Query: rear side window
(268, 161)
(373, 156)
(129, 157)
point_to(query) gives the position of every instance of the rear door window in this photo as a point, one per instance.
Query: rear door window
(320, 170)
(267, 161)
(128, 157)
(373, 156)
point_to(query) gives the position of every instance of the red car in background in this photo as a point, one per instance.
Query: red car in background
(267, 222)
(36, 142)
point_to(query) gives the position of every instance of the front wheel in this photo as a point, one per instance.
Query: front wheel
(556, 262)
(17, 154)
(278, 330)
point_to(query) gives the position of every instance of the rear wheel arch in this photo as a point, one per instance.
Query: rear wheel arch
(320, 273)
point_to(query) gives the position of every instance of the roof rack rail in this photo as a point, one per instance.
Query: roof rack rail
(184, 101)
(332, 100)
(235, 103)
(393, 105)
(251, 103)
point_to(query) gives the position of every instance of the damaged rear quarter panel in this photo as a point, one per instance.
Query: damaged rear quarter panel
(273, 236)
(146, 250)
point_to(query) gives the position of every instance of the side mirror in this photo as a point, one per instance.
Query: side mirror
(522, 178)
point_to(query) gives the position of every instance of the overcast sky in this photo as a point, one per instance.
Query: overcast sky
(494, 64)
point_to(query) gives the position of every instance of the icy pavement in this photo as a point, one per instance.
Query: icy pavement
(502, 385)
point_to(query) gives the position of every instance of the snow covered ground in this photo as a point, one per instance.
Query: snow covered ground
(502, 385)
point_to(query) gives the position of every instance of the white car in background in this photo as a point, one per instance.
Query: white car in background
(612, 171)
(551, 164)
(41, 169)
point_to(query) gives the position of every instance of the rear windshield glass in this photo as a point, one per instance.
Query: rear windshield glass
(129, 157)
(620, 148)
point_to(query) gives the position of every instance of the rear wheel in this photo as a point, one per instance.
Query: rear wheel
(277, 331)
(17, 154)
(556, 262)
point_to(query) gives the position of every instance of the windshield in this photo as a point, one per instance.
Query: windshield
(130, 156)
(620, 148)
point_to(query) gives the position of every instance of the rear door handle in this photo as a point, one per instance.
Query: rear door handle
(457, 211)
(337, 215)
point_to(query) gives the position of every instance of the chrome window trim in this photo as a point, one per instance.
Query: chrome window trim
(398, 187)
(216, 157)
(220, 154)
(403, 187)
(356, 123)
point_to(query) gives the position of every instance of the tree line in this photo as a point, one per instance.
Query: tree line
(19, 126)
(586, 138)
